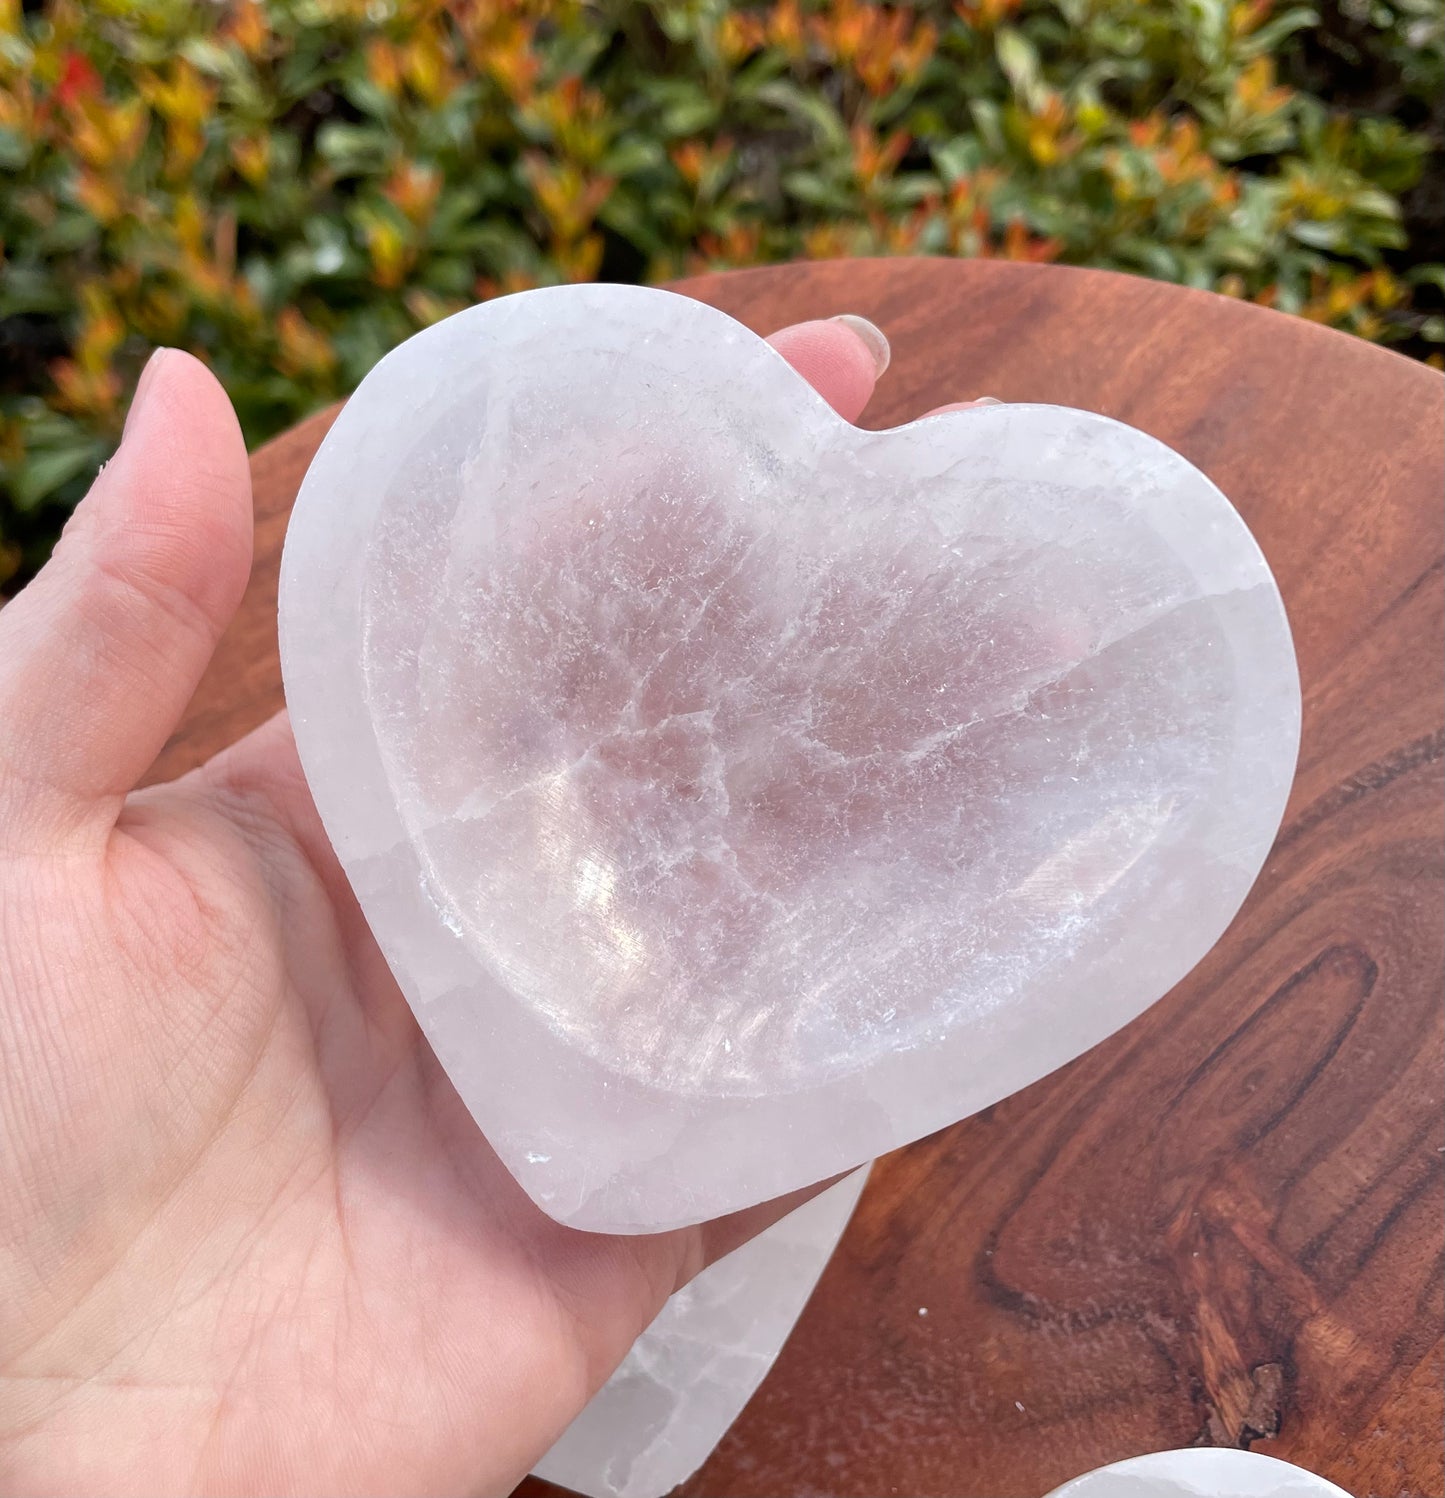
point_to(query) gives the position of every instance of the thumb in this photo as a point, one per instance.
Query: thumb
(100, 654)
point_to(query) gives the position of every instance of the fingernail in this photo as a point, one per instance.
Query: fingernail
(873, 337)
(986, 400)
(147, 379)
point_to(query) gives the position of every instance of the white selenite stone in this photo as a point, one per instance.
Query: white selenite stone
(737, 794)
(1200, 1472)
(657, 1419)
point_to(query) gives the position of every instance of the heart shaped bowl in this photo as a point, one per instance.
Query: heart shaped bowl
(737, 794)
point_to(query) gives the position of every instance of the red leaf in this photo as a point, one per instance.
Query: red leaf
(78, 78)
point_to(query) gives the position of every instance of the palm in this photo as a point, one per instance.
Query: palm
(309, 1223)
(251, 1239)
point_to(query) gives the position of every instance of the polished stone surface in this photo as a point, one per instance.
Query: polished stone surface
(688, 1376)
(1200, 1472)
(737, 794)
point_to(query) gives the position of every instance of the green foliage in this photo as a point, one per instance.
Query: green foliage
(289, 189)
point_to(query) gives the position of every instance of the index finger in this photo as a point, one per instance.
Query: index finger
(840, 357)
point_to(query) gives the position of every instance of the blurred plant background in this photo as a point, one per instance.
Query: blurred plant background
(288, 189)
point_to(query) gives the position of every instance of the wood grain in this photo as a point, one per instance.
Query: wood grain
(1225, 1223)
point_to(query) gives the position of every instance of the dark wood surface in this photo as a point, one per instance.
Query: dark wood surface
(1224, 1224)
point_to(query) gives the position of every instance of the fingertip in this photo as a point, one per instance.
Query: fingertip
(177, 495)
(872, 337)
(101, 652)
(837, 359)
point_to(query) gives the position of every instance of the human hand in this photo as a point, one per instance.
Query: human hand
(250, 1239)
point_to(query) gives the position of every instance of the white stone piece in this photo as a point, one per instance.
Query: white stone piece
(687, 1378)
(737, 794)
(1200, 1472)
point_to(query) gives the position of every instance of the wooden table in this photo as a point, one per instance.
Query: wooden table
(1224, 1224)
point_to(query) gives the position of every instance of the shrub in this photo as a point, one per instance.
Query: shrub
(290, 189)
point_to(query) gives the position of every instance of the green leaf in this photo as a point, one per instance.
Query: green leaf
(1330, 236)
(1380, 204)
(26, 288)
(353, 149)
(814, 189)
(1271, 36)
(369, 99)
(810, 108)
(1427, 275)
(632, 155)
(15, 150)
(956, 158)
(211, 58)
(1019, 61)
(688, 116)
(989, 120)
(44, 472)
